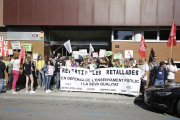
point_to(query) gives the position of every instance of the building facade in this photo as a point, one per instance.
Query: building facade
(107, 24)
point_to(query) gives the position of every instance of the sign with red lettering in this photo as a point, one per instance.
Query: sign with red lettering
(5, 48)
(1, 44)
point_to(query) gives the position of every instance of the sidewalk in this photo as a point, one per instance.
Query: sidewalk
(65, 95)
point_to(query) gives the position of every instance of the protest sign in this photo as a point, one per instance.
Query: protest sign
(86, 62)
(128, 53)
(5, 48)
(102, 52)
(95, 54)
(84, 57)
(106, 80)
(27, 47)
(121, 59)
(1, 44)
(83, 52)
(35, 55)
(68, 63)
(16, 45)
(50, 71)
(76, 54)
(108, 53)
(10, 52)
(118, 56)
(72, 55)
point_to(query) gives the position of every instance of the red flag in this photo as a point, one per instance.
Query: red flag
(22, 54)
(142, 48)
(172, 36)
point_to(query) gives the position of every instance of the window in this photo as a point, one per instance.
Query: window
(123, 35)
(178, 35)
(116, 46)
(164, 34)
(151, 35)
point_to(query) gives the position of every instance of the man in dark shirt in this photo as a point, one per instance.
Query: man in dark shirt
(160, 74)
(59, 64)
(2, 68)
(102, 64)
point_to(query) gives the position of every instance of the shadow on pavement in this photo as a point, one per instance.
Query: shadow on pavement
(144, 106)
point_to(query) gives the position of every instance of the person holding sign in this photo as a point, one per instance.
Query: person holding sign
(15, 64)
(102, 63)
(92, 66)
(144, 72)
(73, 63)
(59, 64)
(28, 68)
(130, 64)
(40, 68)
(116, 64)
(49, 70)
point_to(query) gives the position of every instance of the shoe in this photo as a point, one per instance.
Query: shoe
(47, 91)
(39, 86)
(31, 92)
(27, 91)
(56, 90)
(44, 86)
(50, 91)
(14, 93)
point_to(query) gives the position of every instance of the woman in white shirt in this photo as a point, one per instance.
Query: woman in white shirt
(172, 68)
(15, 63)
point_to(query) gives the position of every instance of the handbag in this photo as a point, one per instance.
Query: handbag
(10, 69)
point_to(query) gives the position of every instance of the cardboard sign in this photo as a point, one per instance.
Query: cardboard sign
(68, 63)
(102, 52)
(76, 54)
(50, 71)
(27, 47)
(117, 56)
(16, 45)
(10, 52)
(95, 54)
(35, 55)
(83, 51)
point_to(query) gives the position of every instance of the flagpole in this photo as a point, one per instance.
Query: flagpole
(59, 47)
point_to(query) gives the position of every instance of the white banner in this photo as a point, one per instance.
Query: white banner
(107, 80)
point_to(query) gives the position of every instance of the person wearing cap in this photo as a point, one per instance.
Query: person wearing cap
(160, 74)
(151, 66)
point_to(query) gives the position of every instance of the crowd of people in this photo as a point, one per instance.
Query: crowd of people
(160, 73)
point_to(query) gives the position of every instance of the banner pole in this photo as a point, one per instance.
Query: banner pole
(171, 51)
(59, 47)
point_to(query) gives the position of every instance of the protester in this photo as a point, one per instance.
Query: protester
(154, 63)
(96, 62)
(59, 64)
(81, 64)
(53, 77)
(140, 63)
(15, 64)
(159, 74)
(2, 76)
(58, 54)
(92, 66)
(144, 72)
(102, 64)
(10, 78)
(28, 73)
(130, 64)
(73, 63)
(172, 68)
(125, 64)
(48, 76)
(116, 64)
(40, 69)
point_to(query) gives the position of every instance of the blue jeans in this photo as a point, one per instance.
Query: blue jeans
(57, 80)
(1, 85)
(39, 77)
(52, 80)
(48, 81)
(159, 82)
(10, 81)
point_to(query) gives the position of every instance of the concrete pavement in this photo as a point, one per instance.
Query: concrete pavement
(40, 94)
